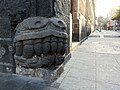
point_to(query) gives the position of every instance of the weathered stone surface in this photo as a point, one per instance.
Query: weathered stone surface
(5, 27)
(16, 82)
(10, 7)
(5, 46)
(15, 10)
(40, 42)
(62, 11)
(48, 74)
(45, 8)
(42, 49)
(11, 13)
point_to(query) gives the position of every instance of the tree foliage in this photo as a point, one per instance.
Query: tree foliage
(102, 21)
(116, 14)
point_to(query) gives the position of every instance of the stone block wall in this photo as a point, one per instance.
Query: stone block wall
(83, 12)
(44, 8)
(75, 17)
(62, 11)
(6, 59)
(13, 12)
(51, 8)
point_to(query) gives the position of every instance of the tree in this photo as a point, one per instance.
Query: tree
(116, 15)
(102, 21)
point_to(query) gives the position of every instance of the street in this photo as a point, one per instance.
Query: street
(95, 64)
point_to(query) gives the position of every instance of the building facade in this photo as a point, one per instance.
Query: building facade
(83, 16)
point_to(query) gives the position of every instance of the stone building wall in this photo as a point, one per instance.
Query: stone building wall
(75, 18)
(82, 7)
(83, 14)
(15, 11)
(62, 11)
(11, 13)
(91, 14)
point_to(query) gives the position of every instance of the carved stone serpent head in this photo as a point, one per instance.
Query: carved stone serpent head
(40, 42)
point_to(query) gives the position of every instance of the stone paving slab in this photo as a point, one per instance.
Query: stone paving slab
(95, 65)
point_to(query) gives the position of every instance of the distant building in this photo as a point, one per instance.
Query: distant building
(110, 25)
(113, 25)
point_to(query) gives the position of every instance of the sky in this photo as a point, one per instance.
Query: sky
(106, 7)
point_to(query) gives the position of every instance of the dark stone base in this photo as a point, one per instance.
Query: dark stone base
(48, 74)
(17, 82)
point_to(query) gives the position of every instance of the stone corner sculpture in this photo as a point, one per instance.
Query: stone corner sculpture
(40, 42)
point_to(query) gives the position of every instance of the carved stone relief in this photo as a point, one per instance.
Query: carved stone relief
(40, 42)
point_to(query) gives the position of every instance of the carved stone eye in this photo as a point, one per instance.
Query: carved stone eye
(38, 23)
(59, 23)
(62, 25)
(35, 24)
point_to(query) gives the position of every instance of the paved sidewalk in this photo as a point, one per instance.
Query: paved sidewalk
(95, 64)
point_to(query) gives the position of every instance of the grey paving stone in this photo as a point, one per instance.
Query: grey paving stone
(95, 64)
